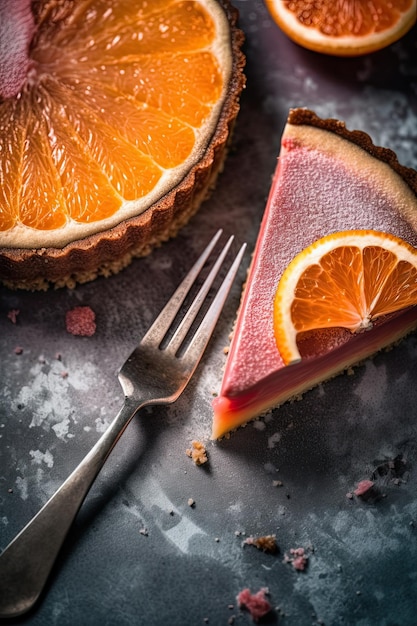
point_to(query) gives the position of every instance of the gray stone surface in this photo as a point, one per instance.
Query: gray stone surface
(191, 562)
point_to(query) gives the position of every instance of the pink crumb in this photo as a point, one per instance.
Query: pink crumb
(81, 321)
(297, 558)
(12, 315)
(363, 487)
(18, 350)
(255, 603)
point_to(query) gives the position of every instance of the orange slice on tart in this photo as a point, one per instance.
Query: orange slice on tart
(344, 27)
(333, 275)
(346, 280)
(115, 118)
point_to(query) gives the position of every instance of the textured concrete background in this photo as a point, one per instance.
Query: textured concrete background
(190, 563)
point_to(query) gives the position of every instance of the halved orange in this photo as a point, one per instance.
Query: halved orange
(344, 27)
(117, 104)
(343, 280)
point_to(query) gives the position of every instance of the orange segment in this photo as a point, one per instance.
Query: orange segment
(191, 103)
(344, 27)
(11, 126)
(344, 280)
(40, 198)
(120, 96)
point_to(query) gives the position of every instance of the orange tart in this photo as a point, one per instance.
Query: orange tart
(341, 216)
(115, 119)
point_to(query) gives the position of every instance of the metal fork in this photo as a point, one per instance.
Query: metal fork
(154, 373)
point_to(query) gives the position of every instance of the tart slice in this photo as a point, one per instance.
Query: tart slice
(327, 180)
(114, 119)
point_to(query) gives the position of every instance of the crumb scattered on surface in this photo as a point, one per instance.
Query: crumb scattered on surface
(363, 487)
(81, 321)
(393, 470)
(298, 558)
(12, 315)
(18, 350)
(277, 483)
(197, 453)
(256, 603)
(191, 502)
(144, 532)
(267, 543)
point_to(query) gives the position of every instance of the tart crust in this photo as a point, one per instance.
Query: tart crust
(107, 252)
(305, 117)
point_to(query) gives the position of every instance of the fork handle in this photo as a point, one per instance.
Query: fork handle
(27, 561)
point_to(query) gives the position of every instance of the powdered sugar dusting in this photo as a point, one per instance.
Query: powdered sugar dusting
(48, 395)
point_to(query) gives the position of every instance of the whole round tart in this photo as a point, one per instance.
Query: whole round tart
(114, 121)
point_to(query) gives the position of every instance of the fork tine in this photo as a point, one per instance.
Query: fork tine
(161, 325)
(203, 333)
(198, 301)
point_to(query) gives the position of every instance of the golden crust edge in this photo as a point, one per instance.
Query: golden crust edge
(137, 237)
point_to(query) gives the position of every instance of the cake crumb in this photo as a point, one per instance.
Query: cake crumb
(18, 350)
(197, 453)
(298, 558)
(363, 487)
(191, 502)
(81, 321)
(12, 315)
(266, 543)
(144, 532)
(277, 483)
(256, 603)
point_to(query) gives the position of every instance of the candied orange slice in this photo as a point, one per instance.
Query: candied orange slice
(344, 280)
(344, 27)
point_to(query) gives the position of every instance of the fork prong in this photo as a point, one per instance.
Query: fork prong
(162, 323)
(203, 333)
(189, 317)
